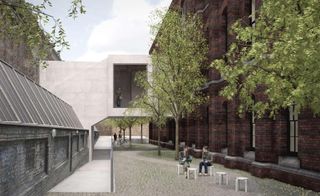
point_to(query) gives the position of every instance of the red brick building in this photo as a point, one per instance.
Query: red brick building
(286, 148)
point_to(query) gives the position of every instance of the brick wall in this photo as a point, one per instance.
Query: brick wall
(309, 141)
(31, 158)
(18, 55)
(226, 129)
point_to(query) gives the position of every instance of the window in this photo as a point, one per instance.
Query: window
(225, 106)
(184, 8)
(125, 88)
(293, 129)
(253, 130)
(253, 13)
(225, 20)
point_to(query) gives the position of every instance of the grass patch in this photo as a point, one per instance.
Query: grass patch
(165, 154)
(134, 147)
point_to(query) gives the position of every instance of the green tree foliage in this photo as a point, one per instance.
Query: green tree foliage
(281, 54)
(117, 123)
(130, 122)
(21, 21)
(177, 57)
(123, 123)
(151, 103)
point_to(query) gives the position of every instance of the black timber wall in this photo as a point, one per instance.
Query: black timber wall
(32, 161)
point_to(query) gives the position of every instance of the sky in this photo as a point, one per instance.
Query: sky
(108, 27)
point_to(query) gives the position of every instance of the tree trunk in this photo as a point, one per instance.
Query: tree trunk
(124, 135)
(177, 138)
(141, 133)
(159, 146)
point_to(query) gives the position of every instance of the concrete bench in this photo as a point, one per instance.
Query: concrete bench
(220, 176)
(179, 169)
(245, 180)
(192, 170)
(210, 170)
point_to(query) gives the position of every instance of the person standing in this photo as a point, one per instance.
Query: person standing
(120, 137)
(115, 138)
(118, 97)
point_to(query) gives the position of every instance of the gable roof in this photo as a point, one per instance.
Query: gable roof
(23, 102)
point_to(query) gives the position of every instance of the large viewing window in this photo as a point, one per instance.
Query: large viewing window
(125, 88)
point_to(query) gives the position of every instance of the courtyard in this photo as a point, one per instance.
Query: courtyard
(239, 79)
(141, 171)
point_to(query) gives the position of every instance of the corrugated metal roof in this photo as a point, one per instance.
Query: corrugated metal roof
(24, 102)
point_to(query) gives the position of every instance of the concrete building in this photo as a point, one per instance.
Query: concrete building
(285, 148)
(96, 90)
(93, 88)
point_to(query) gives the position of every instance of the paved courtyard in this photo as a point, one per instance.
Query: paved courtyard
(142, 172)
(92, 178)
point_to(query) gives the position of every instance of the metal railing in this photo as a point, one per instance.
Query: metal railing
(112, 180)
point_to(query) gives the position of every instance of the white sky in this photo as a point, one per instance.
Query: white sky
(108, 27)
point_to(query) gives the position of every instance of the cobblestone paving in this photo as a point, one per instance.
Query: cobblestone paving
(144, 173)
(140, 172)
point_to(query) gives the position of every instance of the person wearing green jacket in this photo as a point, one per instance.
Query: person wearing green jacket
(185, 159)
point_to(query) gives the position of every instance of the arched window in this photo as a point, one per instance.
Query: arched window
(293, 129)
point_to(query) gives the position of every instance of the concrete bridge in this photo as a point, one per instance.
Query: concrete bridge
(91, 88)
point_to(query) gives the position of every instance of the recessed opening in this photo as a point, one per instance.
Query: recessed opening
(125, 88)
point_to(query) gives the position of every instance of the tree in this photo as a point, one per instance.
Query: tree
(118, 122)
(130, 121)
(21, 21)
(177, 58)
(142, 121)
(151, 103)
(279, 53)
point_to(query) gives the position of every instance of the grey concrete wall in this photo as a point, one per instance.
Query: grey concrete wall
(32, 161)
(88, 86)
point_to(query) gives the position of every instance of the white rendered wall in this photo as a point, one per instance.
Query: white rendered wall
(120, 59)
(81, 84)
(87, 86)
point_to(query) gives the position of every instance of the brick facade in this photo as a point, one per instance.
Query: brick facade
(229, 137)
(20, 57)
(32, 161)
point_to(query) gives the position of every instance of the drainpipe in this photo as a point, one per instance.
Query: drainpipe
(253, 12)
(203, 10)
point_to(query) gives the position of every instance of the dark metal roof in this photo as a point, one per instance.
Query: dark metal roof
(24, 102)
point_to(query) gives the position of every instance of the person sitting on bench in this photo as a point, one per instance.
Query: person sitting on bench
(185, 159)
(205, 161)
